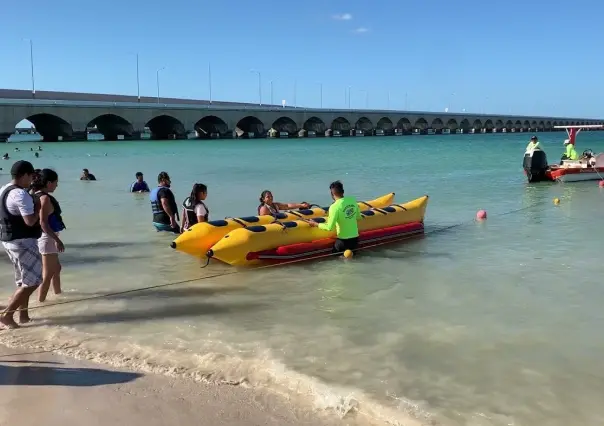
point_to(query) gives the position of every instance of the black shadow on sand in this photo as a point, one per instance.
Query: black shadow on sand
(56, 376)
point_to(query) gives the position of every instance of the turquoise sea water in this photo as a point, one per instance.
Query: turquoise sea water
(492, 323)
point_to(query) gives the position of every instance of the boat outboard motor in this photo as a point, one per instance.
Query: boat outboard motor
(535, 165)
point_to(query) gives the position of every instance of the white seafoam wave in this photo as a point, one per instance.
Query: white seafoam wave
(221, 369)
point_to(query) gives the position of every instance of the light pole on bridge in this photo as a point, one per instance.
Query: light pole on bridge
(31, 63)
(349, 87)
(138, 81)
(271, 83)
(210, 80)
(259, 86)
(321, 95)
(295, 93)
(157, 80)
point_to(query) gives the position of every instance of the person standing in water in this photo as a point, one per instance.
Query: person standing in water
(19, 232)
(163, 205)
(139, 185)
(344, 214)
(49, 244)
(86, 175)
(194, 208)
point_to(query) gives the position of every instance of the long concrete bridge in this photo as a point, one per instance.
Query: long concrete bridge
(71, 116)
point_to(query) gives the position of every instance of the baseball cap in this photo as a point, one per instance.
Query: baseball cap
(533, 138)
(21, 168)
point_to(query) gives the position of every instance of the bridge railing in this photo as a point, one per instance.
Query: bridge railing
(264, 108)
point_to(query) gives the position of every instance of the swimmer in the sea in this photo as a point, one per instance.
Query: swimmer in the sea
(86, 175)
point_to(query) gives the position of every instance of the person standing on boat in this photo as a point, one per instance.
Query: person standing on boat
(570, 153)
(163, 205)
(344, 215)
(533, 145)
(195, 210)
(268, 206)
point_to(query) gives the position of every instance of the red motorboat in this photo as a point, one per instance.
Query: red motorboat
(588, 167)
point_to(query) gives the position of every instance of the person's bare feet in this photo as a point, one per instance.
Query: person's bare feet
(24, 318)
(8, 322)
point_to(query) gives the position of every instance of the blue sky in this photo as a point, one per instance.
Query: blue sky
(507, 57)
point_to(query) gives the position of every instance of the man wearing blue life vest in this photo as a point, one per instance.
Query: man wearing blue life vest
(163, 206)
(139, 185)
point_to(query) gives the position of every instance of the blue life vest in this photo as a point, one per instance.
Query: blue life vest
(159, 215)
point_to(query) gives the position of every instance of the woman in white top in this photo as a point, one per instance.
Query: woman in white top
(195, 210)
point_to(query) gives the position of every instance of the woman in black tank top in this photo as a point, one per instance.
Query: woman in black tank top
(270, 207)
(194, 208)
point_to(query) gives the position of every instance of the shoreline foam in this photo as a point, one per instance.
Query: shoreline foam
(265, 375)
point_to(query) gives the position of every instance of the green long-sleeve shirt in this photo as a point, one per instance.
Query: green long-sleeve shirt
(343, 216)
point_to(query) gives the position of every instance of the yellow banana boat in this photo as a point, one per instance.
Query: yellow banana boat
(298, 240)
(199, 238)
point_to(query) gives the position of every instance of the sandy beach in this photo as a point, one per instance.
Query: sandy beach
(40, 387)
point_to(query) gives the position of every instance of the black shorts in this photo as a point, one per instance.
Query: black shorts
(341, 245)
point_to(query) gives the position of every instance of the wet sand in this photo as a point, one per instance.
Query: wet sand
(39, 387)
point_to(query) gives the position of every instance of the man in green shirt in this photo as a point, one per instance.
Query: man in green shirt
(570, 153)
(533, 145)
(343, 216)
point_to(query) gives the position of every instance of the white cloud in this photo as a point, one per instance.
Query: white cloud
(361, 30)
(342, 17)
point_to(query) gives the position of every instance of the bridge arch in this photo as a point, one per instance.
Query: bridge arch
(249, 127)
(165, 127)
(314, 124)
(437, 124)
(210, 126)
(477, 124)
(464, 125)
(420, 124)
(341, 124)
(50, 127)
(541, 126)
(534, 124)
(364, 124)
(111, 126)
(384, 123)
(526, 125)
(452, 124)
(404, 124)
(499, 124)
(518, 125)
(285, 124)
(509, 125)
(488, 125)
